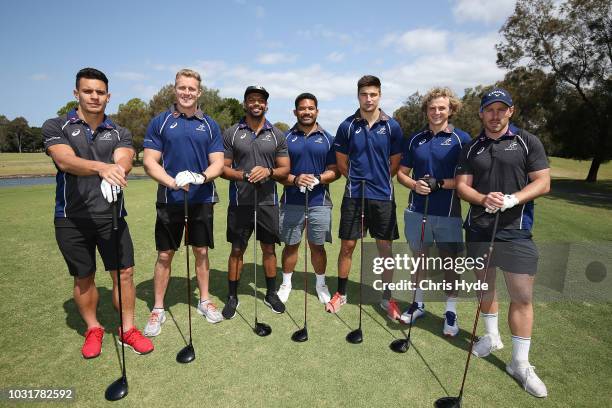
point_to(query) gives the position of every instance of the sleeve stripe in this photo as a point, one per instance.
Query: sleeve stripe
(161, 129)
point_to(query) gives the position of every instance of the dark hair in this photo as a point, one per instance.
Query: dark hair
(91, 73)
(368, 80)
(306, 95)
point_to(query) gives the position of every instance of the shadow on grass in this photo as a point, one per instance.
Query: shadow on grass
(580, 192)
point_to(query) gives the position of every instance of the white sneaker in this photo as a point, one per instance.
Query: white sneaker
(283, 292)
(486, 345)
(525, 374)
(414, 312)
(156, 319)
(451, 327)
(323, 293)
(209, 311)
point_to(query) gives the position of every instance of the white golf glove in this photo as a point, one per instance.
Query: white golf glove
(314, 184)
(510, 201)
(493, 211)
(303, 189)
(109, 191)
(188, 177)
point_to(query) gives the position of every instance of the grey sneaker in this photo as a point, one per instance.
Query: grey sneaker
(156, 319)
(525, 374)
(209, 311)
(486, 345)
(323, 293)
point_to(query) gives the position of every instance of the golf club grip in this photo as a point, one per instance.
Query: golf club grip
(115, 214)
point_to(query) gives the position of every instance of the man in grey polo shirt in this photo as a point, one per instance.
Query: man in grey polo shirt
(255, 157)
(313, 167)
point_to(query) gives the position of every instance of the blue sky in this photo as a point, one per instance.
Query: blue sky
(289, 47)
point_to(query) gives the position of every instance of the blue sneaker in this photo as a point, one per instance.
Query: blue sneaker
(451, 328)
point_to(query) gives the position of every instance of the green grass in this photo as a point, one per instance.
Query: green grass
(41, 328)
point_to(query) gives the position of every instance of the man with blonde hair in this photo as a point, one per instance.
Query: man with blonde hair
(428, 170)
(183, 152)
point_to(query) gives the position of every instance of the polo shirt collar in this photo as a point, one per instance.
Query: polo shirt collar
(448, 130)
(107, 123)
(382, 118)
(176, 113)
(243, 125)
(296, 130)
(511, 132)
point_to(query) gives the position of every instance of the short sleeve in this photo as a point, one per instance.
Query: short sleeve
(536, 157)
(341, 141)
(281, 146)
(463, 165)
(53, 134)
(125, 138)
(152, 138)
(397, 137)
(330, 159)
(228, 148)
(216, 143)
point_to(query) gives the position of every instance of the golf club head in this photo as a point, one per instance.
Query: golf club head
(400, 345)
(262, 329)
(186, 355)
(448, 402)
(355, 337)
(117, 390)
(300, 335)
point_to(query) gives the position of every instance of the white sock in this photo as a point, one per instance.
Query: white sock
(419, 297)
(520, 349)
(287, 278)
(158, 308)
(451, 304)
(320, 279)
(204, 300)
(490, 322)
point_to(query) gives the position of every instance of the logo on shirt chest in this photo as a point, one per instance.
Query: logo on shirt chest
(480, 150)
(294, 138)
(267, 138)
(172, 126)
(512, 146)
(358, 131)
(201, 128)
(106, 136)
(382, 131)
(422, 141)
(319, 140)
(76, 132)
(447, 142)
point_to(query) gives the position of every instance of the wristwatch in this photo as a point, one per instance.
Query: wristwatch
(318, 177)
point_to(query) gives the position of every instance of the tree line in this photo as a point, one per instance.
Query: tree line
(558, 58)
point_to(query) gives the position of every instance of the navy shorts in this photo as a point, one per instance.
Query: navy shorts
(514, 250)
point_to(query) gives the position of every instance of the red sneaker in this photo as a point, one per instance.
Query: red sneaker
(93, 342)
(336, 302)
(393, 312)
(134, 339)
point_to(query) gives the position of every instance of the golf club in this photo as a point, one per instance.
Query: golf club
(260, 329)
(402, 345)
(455, 402)
(187, 353)
(301, 335)
(356, 336)
(119, 388)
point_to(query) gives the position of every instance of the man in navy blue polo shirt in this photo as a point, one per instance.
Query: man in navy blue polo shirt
(368, 149)
(255, 158)
(428, 170)
(313, 167)
(504, 169)
(93, 157)
(183, 152)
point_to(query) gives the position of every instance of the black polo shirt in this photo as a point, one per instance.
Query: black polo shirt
(80, 196)
(502, 165)
(247, 150)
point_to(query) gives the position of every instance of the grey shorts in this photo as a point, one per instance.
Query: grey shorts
(292, 224)
(446, 232)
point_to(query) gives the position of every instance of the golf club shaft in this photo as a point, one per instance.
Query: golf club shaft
(115, 210)
(423, 223)
(186, 200)
(255, 247)
(305, 256)
(490, 253)
(363, 184)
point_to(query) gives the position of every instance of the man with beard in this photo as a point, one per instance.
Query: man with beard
(504, 169)
(255, 158)
(313, 167)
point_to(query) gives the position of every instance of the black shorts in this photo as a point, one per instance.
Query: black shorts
(380, 219)
(171, 221)
(78, 239)
(240, 223)
(514, 250)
